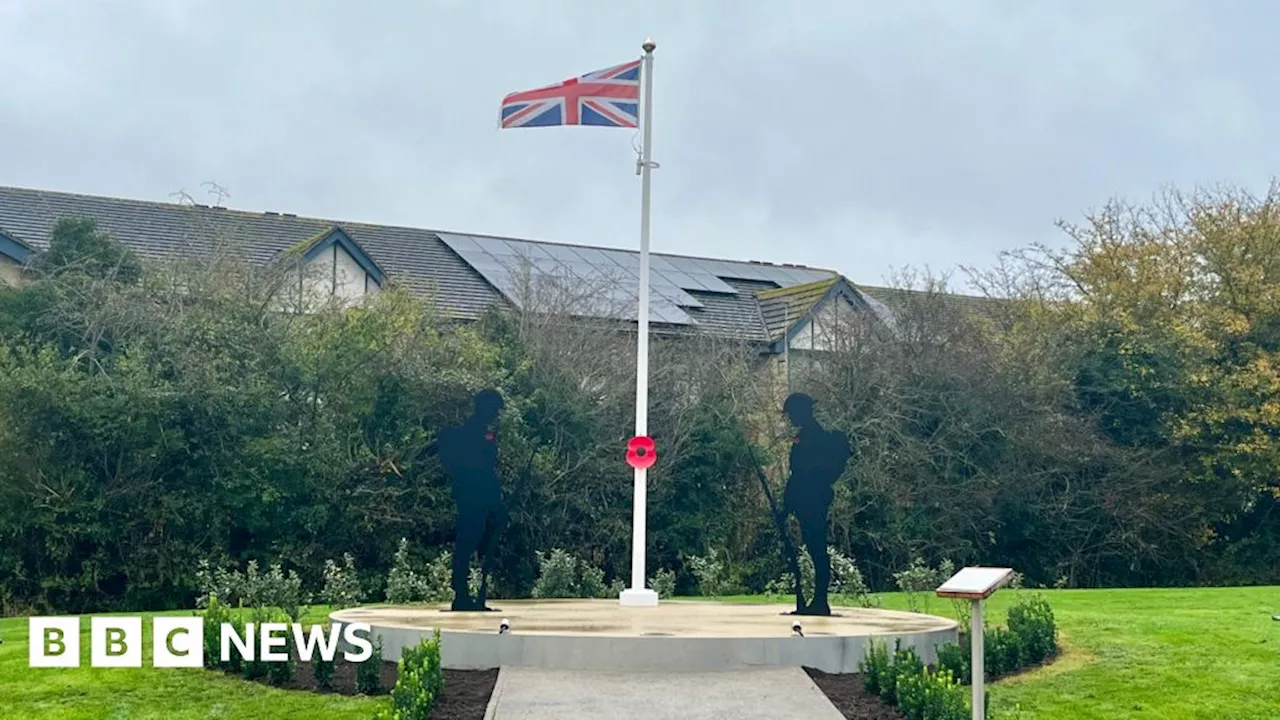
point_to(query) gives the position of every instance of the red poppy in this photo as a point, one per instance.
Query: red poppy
(641, 452)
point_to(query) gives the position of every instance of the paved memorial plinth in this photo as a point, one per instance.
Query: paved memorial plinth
(676, 636)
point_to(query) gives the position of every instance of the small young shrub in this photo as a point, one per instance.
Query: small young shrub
(875, 667)
(403, 584)
(420, 680)
(591, 581)
(280, 673)
(663, 582)
(926, 695)
(284, 592)
(341, 583)
(323, 669)
(215, 614)
(618, 585)
(369, 672)
(211, 580)
(255, 668)
(954, 658)
(1031, 621)
(715, 577)
(557, 575)
(919, 581)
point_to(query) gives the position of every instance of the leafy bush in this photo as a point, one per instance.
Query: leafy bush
(1031, 637)
(846, 579)
(926, 695)
(561, 575)
(713, 573)
(420, 682)
(215, 614)
(280, 673)
(663, 582)
(369, 672)
(954, 658)
(341, 583)
(403, 584)
(1032, 622)
(919, 580)
(216, 580)
(557, 575)
(323, 669)
(904, 681)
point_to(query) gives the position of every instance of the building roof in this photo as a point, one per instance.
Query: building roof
(747, 300)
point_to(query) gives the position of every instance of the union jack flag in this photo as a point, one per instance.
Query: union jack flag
(608, 98)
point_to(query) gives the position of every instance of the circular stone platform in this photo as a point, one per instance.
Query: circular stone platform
(675, 636)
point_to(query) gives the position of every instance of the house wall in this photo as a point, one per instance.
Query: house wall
(11, 272)
(331, 273)
(829, 329)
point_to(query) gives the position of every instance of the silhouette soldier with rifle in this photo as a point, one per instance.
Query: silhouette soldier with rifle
(469, 454)
(818, 458)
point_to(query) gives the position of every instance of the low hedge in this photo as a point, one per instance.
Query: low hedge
(1031, 637)
(420, 682)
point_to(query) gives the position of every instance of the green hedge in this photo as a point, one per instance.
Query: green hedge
(1030, 638)
(420, 682)
(902, 679)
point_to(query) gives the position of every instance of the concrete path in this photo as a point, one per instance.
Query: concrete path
(767, 694)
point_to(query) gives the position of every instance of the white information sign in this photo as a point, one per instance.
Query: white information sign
(975, 582)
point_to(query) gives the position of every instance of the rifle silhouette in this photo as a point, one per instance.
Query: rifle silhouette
(788, 549)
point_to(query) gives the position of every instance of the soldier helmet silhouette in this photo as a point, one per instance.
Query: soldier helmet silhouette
(799, 407)
(488, 403)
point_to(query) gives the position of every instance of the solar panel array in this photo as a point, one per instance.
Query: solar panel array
(609, 280)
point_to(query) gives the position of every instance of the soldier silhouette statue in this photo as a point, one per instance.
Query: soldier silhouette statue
(818, 458)
(469, 454)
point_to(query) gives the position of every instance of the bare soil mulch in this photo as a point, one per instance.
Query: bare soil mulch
(850, 696)
(465, 696)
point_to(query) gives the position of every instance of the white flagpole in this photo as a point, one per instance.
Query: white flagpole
(637, 595)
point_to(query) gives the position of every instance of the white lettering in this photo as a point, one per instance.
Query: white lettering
(244, 645)
(315, 638)
(270, 641)
(349, 634)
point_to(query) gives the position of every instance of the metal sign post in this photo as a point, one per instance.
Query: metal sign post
(976, 584)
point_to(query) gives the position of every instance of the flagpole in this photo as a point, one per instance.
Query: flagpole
(638, 595)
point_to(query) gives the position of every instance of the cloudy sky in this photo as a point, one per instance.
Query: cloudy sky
(857, 135)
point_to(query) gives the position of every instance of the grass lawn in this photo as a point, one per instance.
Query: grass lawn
(1211, 654)
(1196, 654)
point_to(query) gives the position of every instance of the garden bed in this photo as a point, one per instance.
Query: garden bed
(849, 694)
(465, 697)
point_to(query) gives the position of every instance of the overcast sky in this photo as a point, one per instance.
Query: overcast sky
(860, 136)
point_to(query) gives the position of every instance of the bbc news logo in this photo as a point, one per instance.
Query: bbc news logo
(178, 642)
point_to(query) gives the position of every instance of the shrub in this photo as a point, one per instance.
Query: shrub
(403, 584)
(904, 681)
(1031, 637)
(557, 575)
(1032, 622)
(846, 579)
(712, 571)
(919, 580)
(875, 667)
(279, 673)
(561, 575)
(436, 584)
(591, 581)
(218, 581)
(215, 614)
(664, 583)
(925, 695)
(323, 669)
(954, 659)
(369, 672)
(341, 583)
(420, 682)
